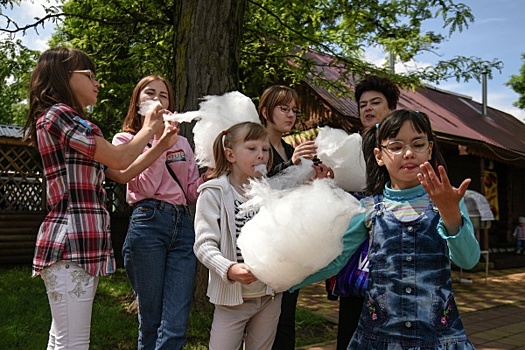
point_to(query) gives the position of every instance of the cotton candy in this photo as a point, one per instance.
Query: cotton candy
(150, 104)
(215, 114)
(343, 153)
(296, 231)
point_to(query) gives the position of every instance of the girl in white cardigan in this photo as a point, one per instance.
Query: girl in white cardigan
(244, 306)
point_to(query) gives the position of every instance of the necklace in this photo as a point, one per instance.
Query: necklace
(238, 188)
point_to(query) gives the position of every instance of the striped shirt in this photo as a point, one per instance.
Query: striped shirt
(519, 232)
(77, 225)
(405, 210)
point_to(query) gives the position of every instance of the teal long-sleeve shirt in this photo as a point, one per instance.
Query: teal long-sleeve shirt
(406, 205)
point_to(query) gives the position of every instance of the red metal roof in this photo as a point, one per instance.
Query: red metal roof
(462, 117)
(451, 114)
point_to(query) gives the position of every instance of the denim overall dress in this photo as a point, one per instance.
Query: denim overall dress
(409, 303)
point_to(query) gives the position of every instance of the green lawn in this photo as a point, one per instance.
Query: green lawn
(25, 316)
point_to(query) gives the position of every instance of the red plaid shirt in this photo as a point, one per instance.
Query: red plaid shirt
(77, 225)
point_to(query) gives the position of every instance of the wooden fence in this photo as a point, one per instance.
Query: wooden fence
(23, 204)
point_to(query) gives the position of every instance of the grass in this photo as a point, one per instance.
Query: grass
(25, 317)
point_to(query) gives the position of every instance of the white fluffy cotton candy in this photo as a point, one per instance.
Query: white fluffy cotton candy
(215, 114)
(150, 104)
(293, 176)
(343, 153)
(296, 232)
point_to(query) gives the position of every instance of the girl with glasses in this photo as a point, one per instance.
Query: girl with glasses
(418, 222)
(278, 110)
(376, 97)
(73, 246)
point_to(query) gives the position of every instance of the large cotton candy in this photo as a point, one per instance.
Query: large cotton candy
(343, 153)
(215, 114)
(296, 232)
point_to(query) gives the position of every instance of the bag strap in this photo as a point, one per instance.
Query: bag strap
(173, 175)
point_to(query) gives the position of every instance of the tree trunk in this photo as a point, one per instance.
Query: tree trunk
(207, 54)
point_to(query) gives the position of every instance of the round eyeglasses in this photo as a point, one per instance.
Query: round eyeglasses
(398, 147)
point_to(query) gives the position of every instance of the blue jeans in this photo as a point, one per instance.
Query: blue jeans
(160, 264)
(520, 245)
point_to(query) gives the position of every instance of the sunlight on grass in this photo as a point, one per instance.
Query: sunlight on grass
(25, 316)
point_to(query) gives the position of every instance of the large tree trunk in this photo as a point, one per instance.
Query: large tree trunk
(207, 54)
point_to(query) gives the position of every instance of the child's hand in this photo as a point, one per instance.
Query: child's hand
(168, 135)
(440, 191)
(154, 118)
(206, 174)
(241, 273)
(306, 150)
(323, 171)
(443, 195)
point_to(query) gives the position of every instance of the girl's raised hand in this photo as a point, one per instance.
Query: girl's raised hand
(439, 188)
(306, 150)
(443, 195)
(154, 118)
(169, 135)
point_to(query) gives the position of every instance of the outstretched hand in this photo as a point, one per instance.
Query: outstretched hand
(439, 188)
(443, 195)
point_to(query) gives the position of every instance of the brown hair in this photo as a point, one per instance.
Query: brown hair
(378, 176)
(133, 120)
(241, 132)
(274, 96)
(49, 84)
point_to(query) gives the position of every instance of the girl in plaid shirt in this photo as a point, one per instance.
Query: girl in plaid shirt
(73, 246)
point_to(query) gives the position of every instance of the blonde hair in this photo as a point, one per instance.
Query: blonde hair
(241, 132)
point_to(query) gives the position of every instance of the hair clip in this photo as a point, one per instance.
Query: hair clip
(377, 125)
(224, 132)
(416, 111)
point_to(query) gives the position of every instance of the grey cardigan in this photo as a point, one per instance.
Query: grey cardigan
(215, 240)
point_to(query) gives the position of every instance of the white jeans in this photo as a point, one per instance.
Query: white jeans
(71, 291)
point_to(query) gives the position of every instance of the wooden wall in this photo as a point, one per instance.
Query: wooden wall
(17, 237)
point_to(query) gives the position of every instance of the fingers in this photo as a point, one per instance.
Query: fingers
(307, 150)
(463, 187)
(322, 171)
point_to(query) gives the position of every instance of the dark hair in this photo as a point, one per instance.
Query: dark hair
(133, 121)
(241, 132)
(383, 85)
(274, 96)
(49, 84)
(377, 176)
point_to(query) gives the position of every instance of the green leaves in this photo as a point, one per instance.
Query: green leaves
(130, 38)
(16, 62)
